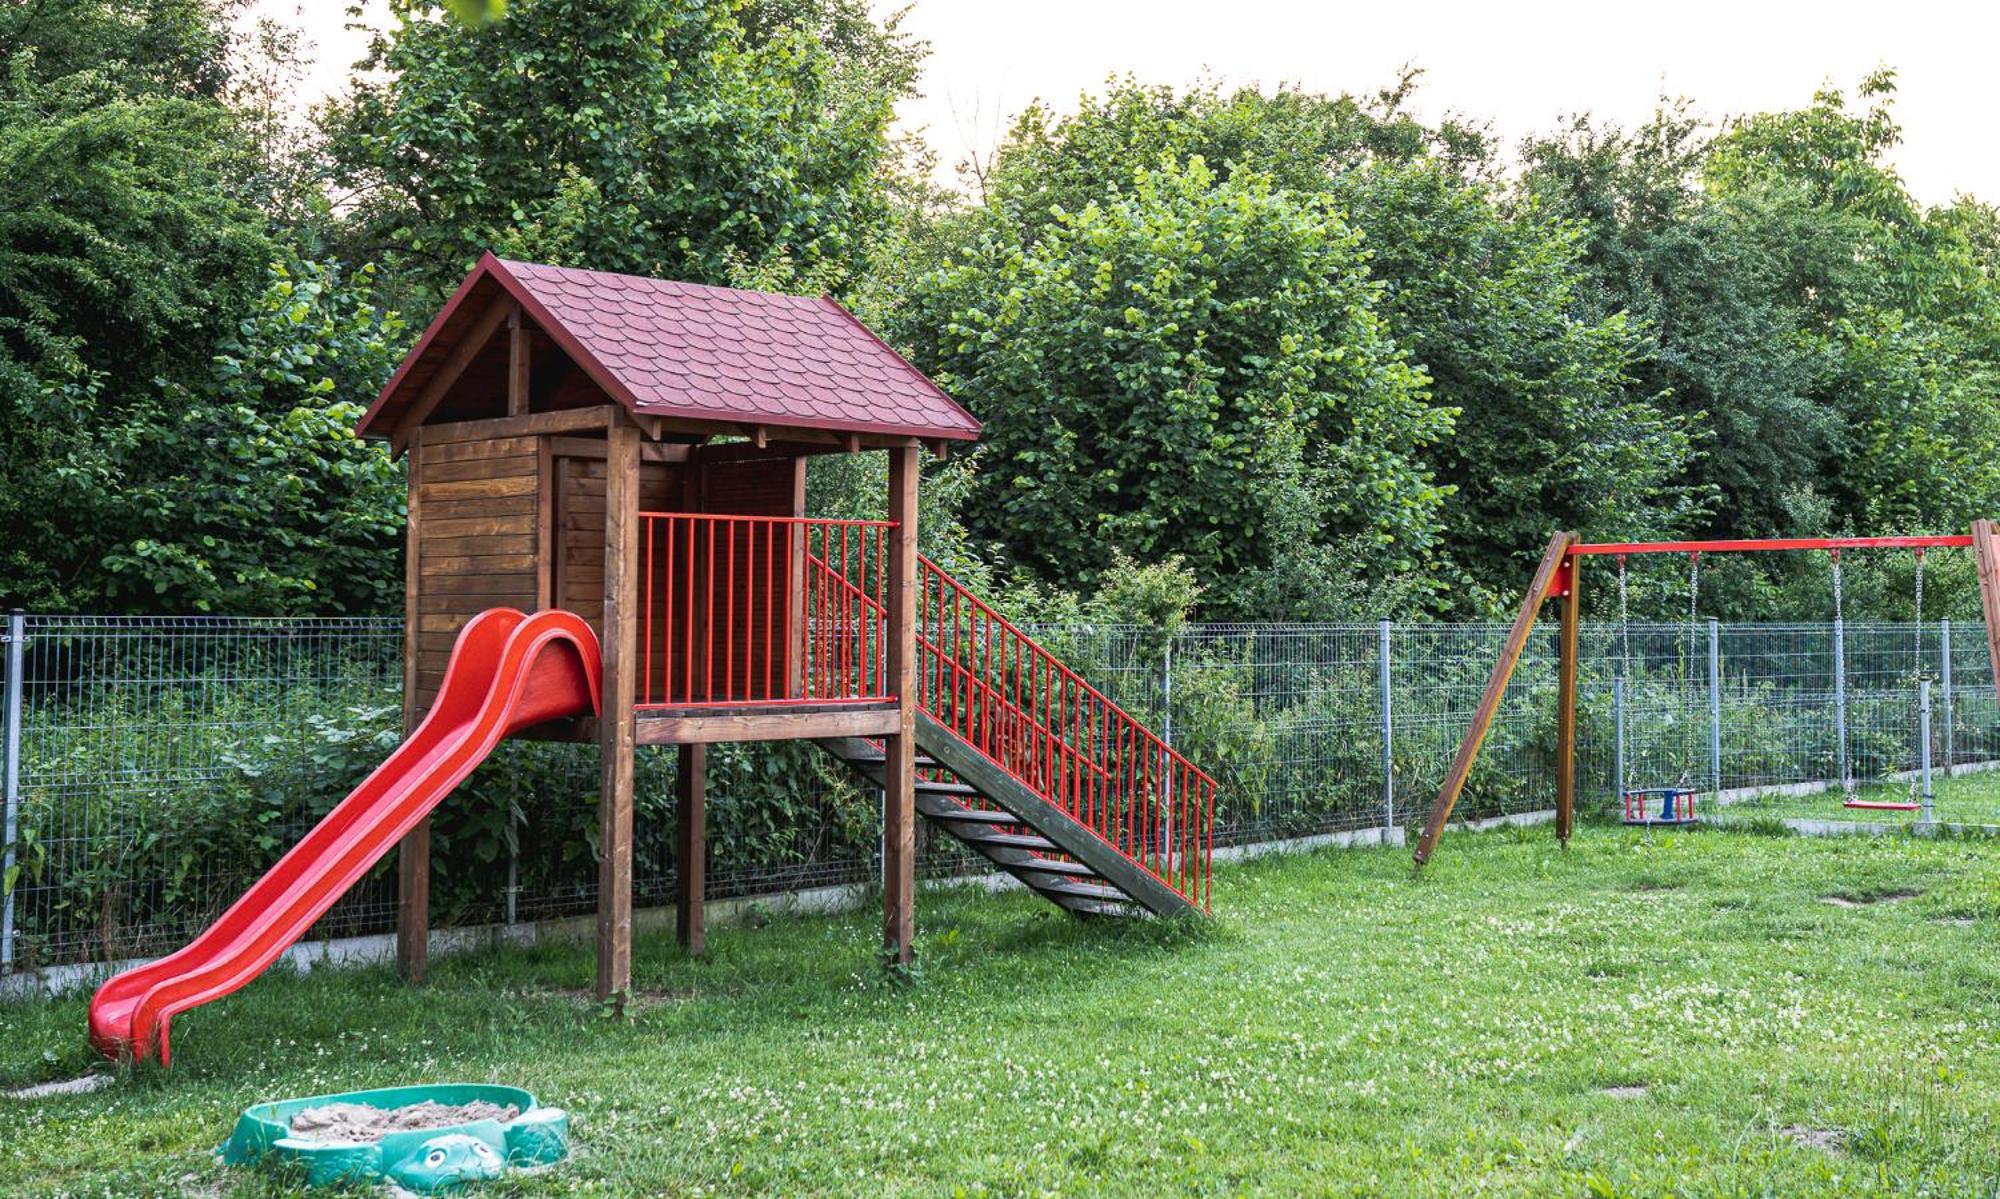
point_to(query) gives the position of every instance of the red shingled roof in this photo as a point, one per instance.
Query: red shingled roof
(707, 353)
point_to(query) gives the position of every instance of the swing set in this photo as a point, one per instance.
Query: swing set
(1559, 577)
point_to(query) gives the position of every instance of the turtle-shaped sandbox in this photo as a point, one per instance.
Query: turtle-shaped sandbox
(422, 1138)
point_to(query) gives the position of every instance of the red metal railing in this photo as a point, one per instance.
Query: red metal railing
(750, 612)
(760, 611)
(990, 683)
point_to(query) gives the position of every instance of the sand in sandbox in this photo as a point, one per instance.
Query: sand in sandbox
(360, 1124)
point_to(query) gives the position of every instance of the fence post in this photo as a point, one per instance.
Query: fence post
(10, 785)
(1618, 740)
(513, 873)
(1715, 705)
(1388, 730)
(1167, 694)
(1840, 698)
(1944, 680)
(1924, 741)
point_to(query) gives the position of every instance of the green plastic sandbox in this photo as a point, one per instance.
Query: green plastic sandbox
(424, 1161)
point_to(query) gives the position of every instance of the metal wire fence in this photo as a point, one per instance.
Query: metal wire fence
(157, 765)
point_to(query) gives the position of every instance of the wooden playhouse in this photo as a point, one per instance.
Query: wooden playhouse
(634, 450)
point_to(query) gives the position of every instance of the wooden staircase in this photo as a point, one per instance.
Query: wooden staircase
(969, 796)
(1029, 765)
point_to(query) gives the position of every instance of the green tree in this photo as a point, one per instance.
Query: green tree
(1192, 366)
(699, 141)
(1552, 432)
(246, 490)
(124, 246)
(1485, 294)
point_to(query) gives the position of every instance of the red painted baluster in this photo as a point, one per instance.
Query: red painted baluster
(732, 591)
(646, 606)
(770, 605)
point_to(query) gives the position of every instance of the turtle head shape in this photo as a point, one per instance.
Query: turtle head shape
(444, 1162)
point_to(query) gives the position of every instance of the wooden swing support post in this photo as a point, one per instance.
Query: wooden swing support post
(1556, 563)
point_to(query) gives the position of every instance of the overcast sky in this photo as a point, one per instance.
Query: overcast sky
(1519, 65)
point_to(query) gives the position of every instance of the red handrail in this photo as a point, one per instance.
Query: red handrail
(1064, 739)
(761, 612)
(1021, 706)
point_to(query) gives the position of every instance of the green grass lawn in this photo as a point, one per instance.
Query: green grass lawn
(1687, 1015)
(1961, 799)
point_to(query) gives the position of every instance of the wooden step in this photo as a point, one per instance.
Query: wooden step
(1125, 909)
(932, 788)
(1005, 840)
(973, 816)
(1083, 891)
(875, 758)
(1053, 866)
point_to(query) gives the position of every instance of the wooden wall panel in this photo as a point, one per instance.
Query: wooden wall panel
(475, 542)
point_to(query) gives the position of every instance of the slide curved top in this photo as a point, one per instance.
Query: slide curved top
(508, 671)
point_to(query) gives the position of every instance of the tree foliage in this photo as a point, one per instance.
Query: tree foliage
(687, 140)
(125, 247)
(1175, 369)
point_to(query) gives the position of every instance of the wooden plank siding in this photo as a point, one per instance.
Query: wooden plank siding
(518, 520)
(474, 541)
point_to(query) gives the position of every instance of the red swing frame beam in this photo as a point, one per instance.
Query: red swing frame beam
(1557, 577)
(1587, 549)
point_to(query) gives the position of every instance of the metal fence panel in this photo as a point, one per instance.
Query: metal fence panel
(164, 762)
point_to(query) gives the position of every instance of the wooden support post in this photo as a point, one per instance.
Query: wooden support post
(1572, 609)
(899, 795)
(691, 847)
(615, 726)
(413, 856)
(517, 364)
(1496, 690)
(1986, 549)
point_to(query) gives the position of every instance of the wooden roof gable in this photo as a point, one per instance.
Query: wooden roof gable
(681, 350)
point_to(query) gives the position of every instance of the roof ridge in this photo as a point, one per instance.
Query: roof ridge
(657, 281)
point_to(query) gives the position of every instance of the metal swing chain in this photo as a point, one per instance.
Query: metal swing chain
(1687, 670)
(1624, 625)
(1919, 669)
(1624, 671)
(1838, 603)
(1917, 673)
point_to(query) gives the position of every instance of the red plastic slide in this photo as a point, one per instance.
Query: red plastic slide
(507, 672)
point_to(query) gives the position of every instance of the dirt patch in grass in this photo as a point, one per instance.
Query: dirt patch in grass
(1826, 1140)
(81, 1085)
(1862, 901)
(1630, 1090)
(360, 1124)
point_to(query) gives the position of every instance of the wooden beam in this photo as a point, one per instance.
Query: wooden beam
(691, 848)
(899, 793)
(546, 548)
(595, 448)
(668, 728)
(1566, 700)
(413, 856)
(461, 357)
(535, 424)
(615, 727)
(517, 363)
(1496, 690)
(1986, 548)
